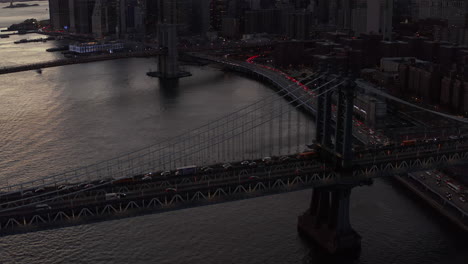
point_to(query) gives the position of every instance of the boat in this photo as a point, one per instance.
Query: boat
(4, 36)
(21, 41)
(61, 48)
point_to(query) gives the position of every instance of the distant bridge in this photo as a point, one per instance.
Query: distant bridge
(78, 60)
(123, 55)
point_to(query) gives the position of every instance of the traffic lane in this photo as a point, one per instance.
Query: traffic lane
(192, 188)
(101, 192)
(431, 181)
(218, 171)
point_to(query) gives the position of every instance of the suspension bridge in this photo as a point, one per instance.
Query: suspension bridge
(263, 148)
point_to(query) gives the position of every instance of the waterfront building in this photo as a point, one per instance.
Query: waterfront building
(92, 47)
(59, 14)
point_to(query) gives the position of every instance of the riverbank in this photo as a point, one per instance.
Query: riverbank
(433, 199)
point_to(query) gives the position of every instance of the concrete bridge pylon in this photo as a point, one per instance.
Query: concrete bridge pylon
(326, 222)
(168, 62)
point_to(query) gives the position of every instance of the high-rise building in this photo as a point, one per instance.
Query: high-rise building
(322, 10)
(301, 4)
(151, 20)
(132, 15)
(105, 18)
(230, 27)
(262, 21)
(59, 14)
(299, 25)
(402, 10)
(200, 21)
(217, 12)
(454, 11)
(177, 12)
(373, 16)
(81, 16)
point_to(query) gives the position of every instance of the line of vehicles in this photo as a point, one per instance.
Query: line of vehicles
(32, 193)
(194, 169)
(444, 181)
(49, 192)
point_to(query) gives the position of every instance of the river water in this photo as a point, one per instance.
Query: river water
(75, 115)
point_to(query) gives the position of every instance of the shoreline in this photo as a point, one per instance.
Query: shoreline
(425, 197)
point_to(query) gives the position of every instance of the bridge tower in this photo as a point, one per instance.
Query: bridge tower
(326, 222)
(168, 61)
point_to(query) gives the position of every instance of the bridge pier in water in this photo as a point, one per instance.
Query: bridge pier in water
(326, 222)
(168, 63)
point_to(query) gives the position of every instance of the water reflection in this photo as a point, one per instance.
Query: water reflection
(169, 89)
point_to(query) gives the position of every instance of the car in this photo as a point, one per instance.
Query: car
(115, 196)
(227, 166)
(208, 169)
(267, 160)
(63, 187)
(165, 173)
(27, 193)
(253, 164)
(38, 190)
(168, 190)
(90, 185)
(245, 163)
(462, 199)
(42, 207)
(147, 178)
(284, 158)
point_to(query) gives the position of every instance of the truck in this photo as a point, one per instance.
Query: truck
(454, 187)
(307, 155)
(408, 142)
(114, 196)
(186, 170)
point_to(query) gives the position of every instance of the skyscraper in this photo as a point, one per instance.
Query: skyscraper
(105, 18)
(132, 14)
(177, 12)
(373, 16)
(217, 12)
(200, 21)
(59, 14)
(81, 16)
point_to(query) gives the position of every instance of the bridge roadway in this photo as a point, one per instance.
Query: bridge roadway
(281, 82)
(63, 62)
(66, 205)
(158, 194)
